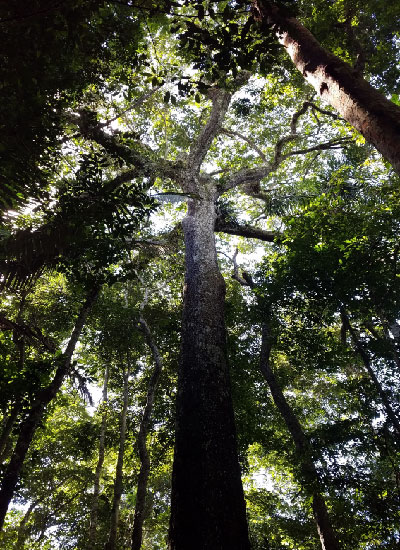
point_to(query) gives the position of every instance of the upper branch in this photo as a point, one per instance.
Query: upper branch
(246, 175)
(220, 104)
(253, 176)
(139, 155)
(253, 145)
(244, 231)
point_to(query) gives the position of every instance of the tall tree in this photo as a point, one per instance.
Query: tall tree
(335, 81)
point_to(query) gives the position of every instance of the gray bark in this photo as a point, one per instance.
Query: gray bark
(207, 503)
(99, 466)
(206, 474)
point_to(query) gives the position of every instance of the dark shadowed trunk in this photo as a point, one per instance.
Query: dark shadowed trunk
(137, 532)
(35, 415)
(310, 479)
(386, 340)
(336, 82)
(91, 543)
(19, 341)
(367, 364)
(6, 432)
(118, 485)
(207, 503)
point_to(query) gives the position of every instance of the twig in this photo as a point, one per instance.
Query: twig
(253, 145)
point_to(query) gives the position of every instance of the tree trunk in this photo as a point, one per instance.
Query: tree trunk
(112, 537)
(19, 342)
(310, 476)
(367, 364)
(22, 529)
(34, 416)
(99, 466)
(207, 503)
(137, 532)
(386, 340)
(5, 434)
(374, 116)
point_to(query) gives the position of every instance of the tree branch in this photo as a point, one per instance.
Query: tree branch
(220, 104)
(199, 149)
(135, 104)
(33, 333)
(253, 145)
(246, 176)
(221, 226)
(140, 155)
(332, 144)
(246, 279)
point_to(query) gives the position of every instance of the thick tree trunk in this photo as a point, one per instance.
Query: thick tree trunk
(99, 466)
(34, 416)
(310, 477)
(137, 532)
(374, 116)
(112, 537)
(207, 503)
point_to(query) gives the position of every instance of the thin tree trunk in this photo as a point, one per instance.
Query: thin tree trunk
(112, 537)
(19, 342)
(374, 116)
(5, 434)
(137, 532)
(367, 364)
(96, 491)
(207, 503)
(386, 340)
(310, 476)
(22, 531)
(34, 416)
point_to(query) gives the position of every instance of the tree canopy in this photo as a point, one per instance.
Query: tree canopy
(200, 305)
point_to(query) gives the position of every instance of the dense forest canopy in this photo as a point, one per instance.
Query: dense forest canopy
(199, 272)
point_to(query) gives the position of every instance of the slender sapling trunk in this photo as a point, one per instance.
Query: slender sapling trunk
(35, 414)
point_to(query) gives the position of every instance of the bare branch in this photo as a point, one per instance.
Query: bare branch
(246, 279)
(253, 145)
(332, 144)
(303, 109)
(222, 226)
(220, 103)
(253, 176)
(138, 102)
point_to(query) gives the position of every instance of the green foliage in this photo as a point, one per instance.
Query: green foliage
(140, 76)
